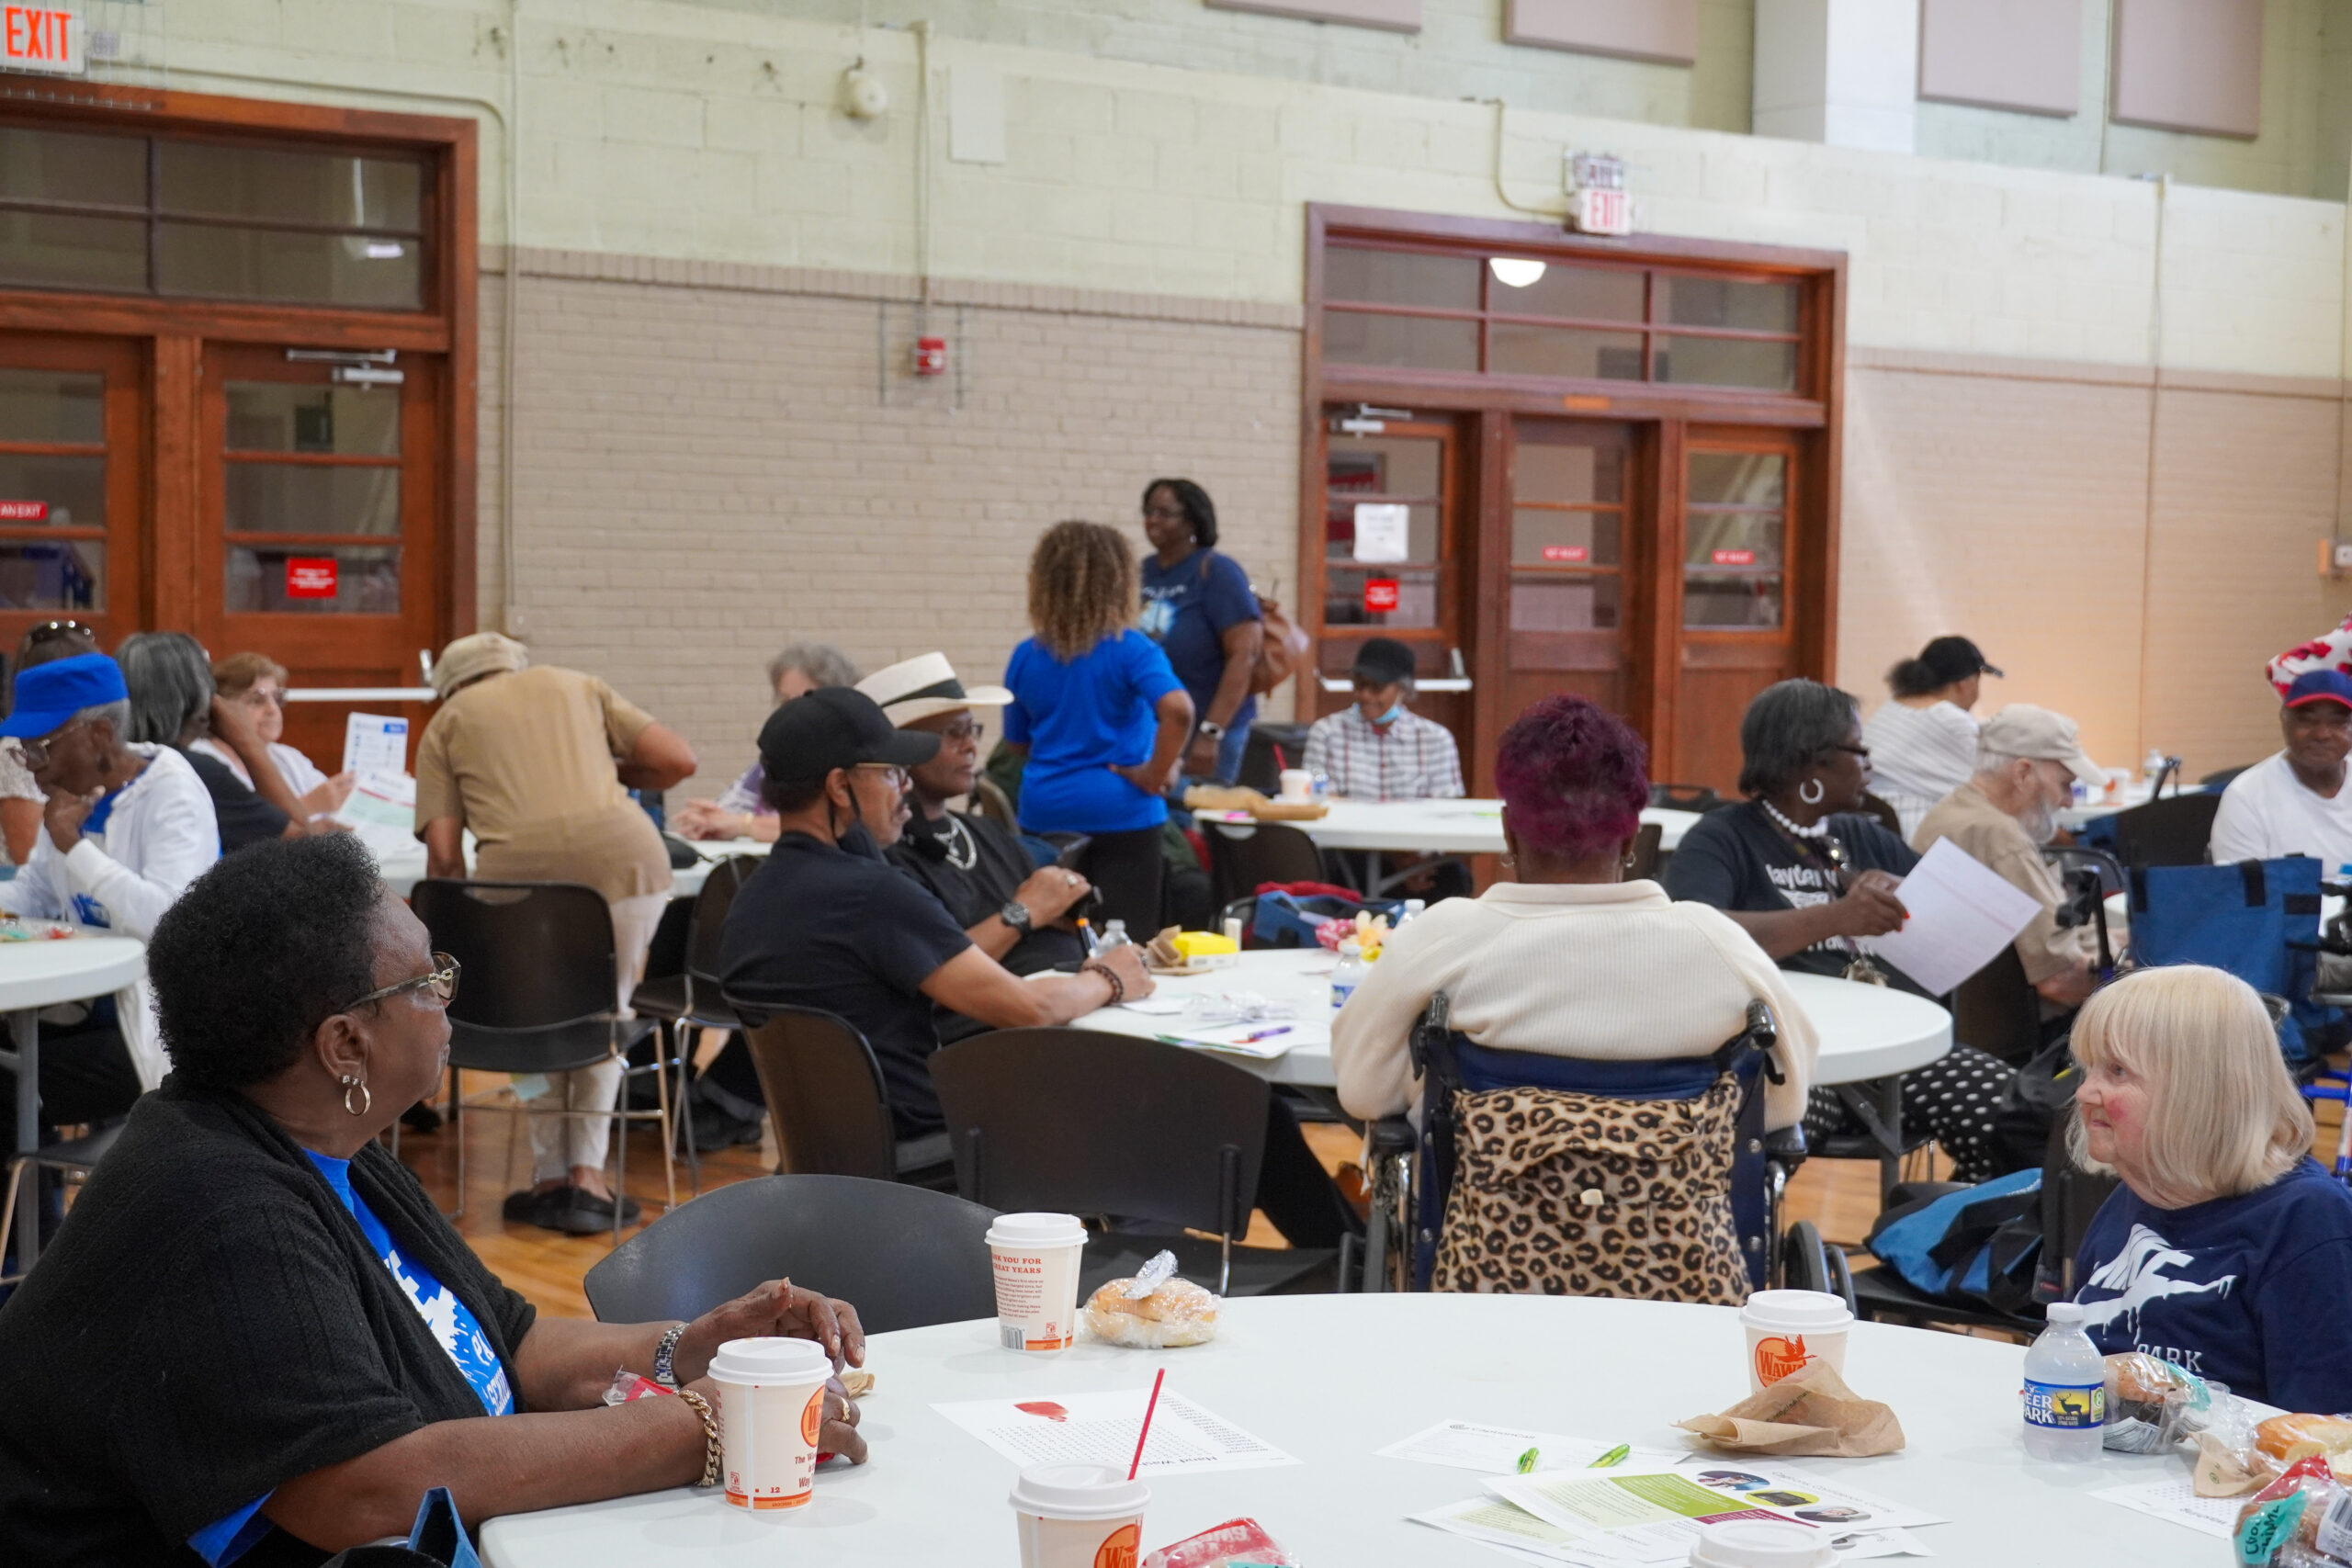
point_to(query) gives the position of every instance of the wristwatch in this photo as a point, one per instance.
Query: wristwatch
(1015, 914)
(1212, 729)
(664, 1354)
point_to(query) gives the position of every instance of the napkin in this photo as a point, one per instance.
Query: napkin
(1809, 1412)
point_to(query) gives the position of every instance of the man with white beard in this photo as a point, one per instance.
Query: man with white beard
(2027, 761)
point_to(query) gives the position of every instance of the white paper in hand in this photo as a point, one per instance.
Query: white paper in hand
(1962, 914)
(375, 743)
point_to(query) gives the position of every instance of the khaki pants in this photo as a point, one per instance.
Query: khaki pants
(560, 1143)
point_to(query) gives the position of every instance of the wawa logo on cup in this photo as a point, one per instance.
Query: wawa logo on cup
(1790, 1330)
(1121, 1550)
(1776, 1357)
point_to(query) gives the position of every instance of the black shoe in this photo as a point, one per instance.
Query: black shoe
(714, 1129)
(545, 1209)
(585, 1214)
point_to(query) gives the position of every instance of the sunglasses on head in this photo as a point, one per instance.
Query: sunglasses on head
(50, 631)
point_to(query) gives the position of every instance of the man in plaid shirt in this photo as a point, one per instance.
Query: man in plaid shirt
(1379, 749)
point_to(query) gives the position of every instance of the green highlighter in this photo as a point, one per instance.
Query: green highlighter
(1528, 1459)
(1614, 1456)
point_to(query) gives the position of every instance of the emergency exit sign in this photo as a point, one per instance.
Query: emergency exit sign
(35, 38)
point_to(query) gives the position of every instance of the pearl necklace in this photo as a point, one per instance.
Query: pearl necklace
(1818, 830)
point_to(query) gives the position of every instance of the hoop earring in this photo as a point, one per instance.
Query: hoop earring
(367, 1101)
(1814, 789)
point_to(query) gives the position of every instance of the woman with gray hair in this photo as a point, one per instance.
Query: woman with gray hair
(741, 811)
(1806, 874)
(173, 703)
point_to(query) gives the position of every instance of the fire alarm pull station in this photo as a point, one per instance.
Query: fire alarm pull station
(931, 356)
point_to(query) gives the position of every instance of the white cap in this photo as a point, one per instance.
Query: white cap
(1079, 1492)
(2022, 729)
(1038, 1230)
(1805, 1310)
(2063, 1312)
(1761, 1544)
(772, 1360)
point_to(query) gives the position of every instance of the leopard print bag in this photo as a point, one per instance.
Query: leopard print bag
(1566, 1194)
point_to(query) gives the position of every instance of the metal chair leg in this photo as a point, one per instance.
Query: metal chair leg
(9, 1209)
(669, 1128)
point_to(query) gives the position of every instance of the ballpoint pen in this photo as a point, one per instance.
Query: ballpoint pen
(1262, 1034)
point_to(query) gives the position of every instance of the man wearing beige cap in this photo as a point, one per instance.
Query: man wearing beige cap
(2027, 762)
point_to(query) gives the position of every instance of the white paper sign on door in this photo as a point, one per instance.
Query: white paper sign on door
(1384, 530)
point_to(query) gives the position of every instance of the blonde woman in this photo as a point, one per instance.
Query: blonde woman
(2227, 1249)
(1098, 715)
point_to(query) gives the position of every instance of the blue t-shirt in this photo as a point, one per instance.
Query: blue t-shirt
(453, 1323)
(1077, 719)
(2251, 1290)
(1187, 610)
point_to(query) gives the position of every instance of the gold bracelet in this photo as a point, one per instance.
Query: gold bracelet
(712, 1450)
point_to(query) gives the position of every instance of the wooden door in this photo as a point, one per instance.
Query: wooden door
(1417, 596)
(73, 416)
(1577, 562)
(317, 536)
(1742, 572)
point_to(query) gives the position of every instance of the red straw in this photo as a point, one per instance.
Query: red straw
(1146, 1422)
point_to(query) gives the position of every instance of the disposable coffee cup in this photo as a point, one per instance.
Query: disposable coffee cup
(1790, 1330)
(1761, 1544)
(771, 1408)
(1297, 785)
(1036, 1257)
(1078, 1516)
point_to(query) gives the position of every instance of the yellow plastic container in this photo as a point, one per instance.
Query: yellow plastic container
(1204, 949)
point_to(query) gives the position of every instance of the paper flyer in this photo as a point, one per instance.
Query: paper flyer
(1962, 913)
(1652, 1516)
(2176, 1500)
(1099, 1429)
(1496, 1521)
(382, 812)
(1496, 1450)
(375, 743)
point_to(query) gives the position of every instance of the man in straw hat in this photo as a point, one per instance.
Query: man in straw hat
(538, 762)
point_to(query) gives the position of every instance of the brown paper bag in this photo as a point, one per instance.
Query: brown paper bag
(1811, 1412)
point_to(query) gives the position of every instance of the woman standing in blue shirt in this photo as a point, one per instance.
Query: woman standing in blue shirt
(1198, 607)
(1099, 716)
(2227, 1250)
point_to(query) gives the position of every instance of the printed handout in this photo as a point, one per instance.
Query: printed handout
(1961, 915)
(1099, 1429)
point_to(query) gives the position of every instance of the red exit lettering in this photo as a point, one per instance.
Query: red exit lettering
(1566, 552)
(1735, 557)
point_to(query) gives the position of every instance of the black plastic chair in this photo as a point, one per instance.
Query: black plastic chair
(828, 1104)
(1997, 1010)
(1088, 1122)
(688, 998)
(1684, 797)
(1242, 857)
(539, 997)
(1888, 818)
(1641, 861)
(903, 1257)
(2171, 832)
(2219, 780)
(77, 1158)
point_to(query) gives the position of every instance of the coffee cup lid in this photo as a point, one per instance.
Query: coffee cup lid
(1761, 1544)
(1079, 1492)
(1038, 1230)
(772, 1360)
(1800, 1310)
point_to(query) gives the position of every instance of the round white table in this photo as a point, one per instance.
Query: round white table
(403, 871)
(33, 976)
(1430, 826)
(1331, 1378)
(1867, 1033)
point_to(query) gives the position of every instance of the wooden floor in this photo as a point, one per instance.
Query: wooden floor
(1839, 1196)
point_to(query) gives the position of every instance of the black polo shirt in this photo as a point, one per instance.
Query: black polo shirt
(1737, 858)
(974, 866)
(837, 928)
(243, 815)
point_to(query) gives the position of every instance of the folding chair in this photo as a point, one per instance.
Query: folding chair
(1241, 858)
(2174, 830)
(828, 1104)
(690, 999)
(75, 1157)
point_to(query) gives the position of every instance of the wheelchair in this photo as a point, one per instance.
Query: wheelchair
(1411, 1173)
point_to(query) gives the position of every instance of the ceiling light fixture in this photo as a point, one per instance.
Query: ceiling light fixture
(1516, 271)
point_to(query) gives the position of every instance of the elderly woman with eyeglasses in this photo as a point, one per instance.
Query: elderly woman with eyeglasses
(1806, 873)
(256, 1334)
(254, 686)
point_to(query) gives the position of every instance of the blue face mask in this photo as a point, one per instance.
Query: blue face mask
(1396, 711)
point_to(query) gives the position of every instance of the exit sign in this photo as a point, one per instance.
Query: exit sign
(36, 39)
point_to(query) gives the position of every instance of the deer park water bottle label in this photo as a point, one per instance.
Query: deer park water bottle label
(2066, 1407)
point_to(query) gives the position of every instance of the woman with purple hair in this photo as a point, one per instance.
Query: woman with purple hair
(1568, 959)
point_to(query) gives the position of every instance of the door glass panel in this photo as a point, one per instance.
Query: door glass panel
(54, 250)
(1421, 529)
(307, 580)
(1728, 361)
(64, 165)
(1355, 590)
(52, 405)
(1563, 603)
(272, 264)
(1735, 538)
(1739, 479)
(1593, 294)
(1516, 349)
(1396, 468)
(1582, 472)
(62, 574)
(1723, 302)
(285, 498)
(1422, 342)
(1726, 601)
(1401, 277)
(1542, 538)
(279, 416)
(73, 490)
(271, 184)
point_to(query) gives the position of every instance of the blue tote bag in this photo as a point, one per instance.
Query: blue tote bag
(2258, 919)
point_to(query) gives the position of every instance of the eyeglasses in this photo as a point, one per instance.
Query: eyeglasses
(1165, 514)
(35, 748)
(441, 980)
(896, 775)
(964, 729)
(256, 696)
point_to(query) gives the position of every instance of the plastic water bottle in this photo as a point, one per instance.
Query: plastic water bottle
(1114, 934)
(2065, 1390)
(1320, 790)
(1349, 975)
(1413, 907)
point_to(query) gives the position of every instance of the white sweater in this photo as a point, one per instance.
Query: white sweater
(1605, 971)
(160, 837)
(1918, 756)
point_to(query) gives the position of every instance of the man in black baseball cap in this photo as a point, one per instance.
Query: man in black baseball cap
(829, 923)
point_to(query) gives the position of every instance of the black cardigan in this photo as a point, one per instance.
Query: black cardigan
(209, 1323)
